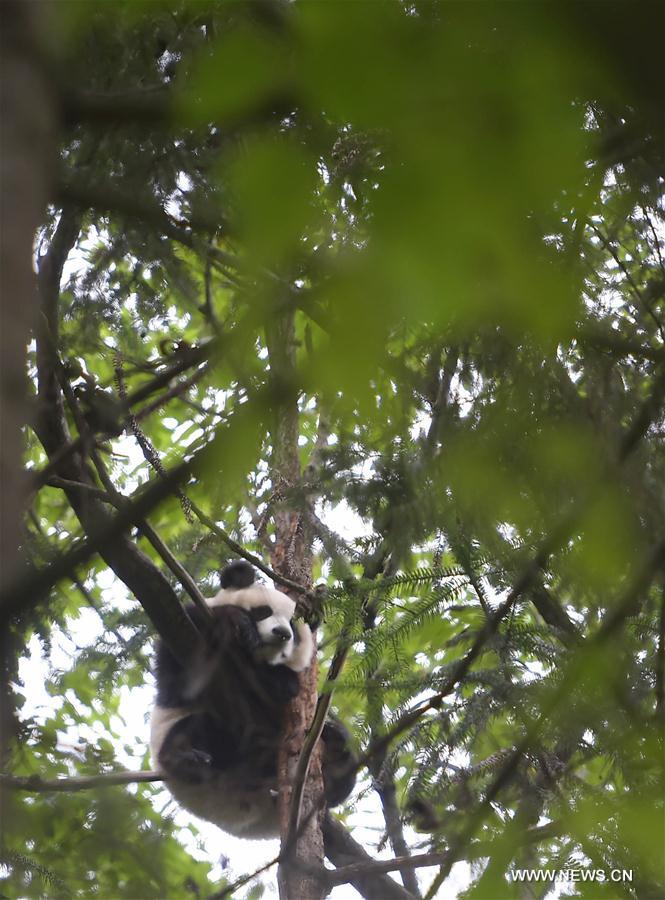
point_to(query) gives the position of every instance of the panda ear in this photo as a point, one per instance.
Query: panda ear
(303, 648)
(238, 574)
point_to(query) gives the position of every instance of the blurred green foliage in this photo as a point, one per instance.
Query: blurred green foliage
(459, 207)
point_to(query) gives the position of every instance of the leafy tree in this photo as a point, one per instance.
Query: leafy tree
(372, 293)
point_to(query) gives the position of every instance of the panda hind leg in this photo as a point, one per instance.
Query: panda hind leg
(339, 762)
(197, 747)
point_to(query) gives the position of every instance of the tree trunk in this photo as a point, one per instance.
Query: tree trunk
(26, 157)
(27, 162)
(292, 557)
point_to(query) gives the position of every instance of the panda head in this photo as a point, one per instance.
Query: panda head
(283, 640)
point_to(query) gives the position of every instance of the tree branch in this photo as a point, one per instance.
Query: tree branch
(479, 850)
(194, 356)
(250, 557)
(145, 209)
(38, 785)
(660, 660)
(119, 500)
(342, 851)
(152, 590)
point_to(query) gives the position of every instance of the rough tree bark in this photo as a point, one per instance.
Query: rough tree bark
(291, 556)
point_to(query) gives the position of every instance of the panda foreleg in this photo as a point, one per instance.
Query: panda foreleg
(284, 684)
(196, 747)
(232, 627)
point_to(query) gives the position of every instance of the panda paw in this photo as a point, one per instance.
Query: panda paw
(234, 626)
(190, 765)
(197, 757)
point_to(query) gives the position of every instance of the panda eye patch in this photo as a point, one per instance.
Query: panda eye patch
(259, 613)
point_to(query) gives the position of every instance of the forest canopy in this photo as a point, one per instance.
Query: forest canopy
(371, 294)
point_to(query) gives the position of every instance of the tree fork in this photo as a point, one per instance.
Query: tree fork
(292, 558)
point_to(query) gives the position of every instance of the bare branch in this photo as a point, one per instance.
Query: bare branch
(105, 532)
(342, 850)
(478, 850)
(193, 357)
(175, 391)
(66, 485)
(38, 785)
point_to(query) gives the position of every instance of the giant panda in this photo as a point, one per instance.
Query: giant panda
(216, 723)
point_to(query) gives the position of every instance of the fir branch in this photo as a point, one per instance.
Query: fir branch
(642, 580)
(530, 574)
(413, 617)
(420, 576)
(9, 857)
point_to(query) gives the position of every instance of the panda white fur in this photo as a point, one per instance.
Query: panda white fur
(216, 724)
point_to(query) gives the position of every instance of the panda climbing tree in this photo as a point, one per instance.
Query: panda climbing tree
(217, 723)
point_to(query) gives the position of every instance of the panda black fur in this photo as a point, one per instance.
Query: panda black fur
(216, 725)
